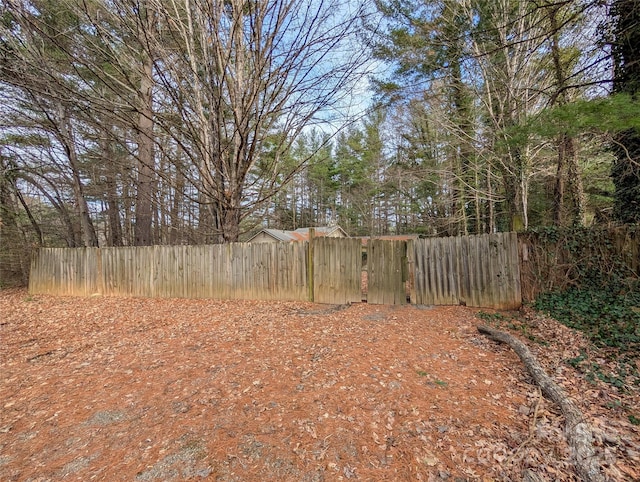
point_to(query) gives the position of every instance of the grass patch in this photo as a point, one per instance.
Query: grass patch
(432, 382)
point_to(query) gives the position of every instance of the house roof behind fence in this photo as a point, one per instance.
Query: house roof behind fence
(301, 234)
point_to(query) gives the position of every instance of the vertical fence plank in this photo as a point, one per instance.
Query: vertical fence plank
(514, 270)
(437, 273)
(487, 260)
(430, 288)
(478, 274)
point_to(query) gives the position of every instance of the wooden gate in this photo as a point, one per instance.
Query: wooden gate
(336, 270)
(387, 272)
(480, 271)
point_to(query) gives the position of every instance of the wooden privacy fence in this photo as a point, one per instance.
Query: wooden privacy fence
(481, 271)
(226, 271)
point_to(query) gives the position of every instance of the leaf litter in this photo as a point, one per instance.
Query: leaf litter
(156, 389)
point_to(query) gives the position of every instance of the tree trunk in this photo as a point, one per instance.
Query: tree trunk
(113, 211)
(558, 191)
(114, 230)
(66, 138)
(567, 171)
(32, 219)
(513, 188)
(11, 239)
(227, 217)
(464, 175)
(574, 182)
(231, 225)
(208, 220)
(145, 181)
(176, 231)
(491, 212)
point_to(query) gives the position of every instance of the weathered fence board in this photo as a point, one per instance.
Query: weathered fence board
(479, 271)
(337, 270)
(387, 272)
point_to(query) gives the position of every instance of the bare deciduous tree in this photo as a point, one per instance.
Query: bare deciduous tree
(245, 78)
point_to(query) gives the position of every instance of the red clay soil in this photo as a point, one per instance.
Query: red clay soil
(145, 389)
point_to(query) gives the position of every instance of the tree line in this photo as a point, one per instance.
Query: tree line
(137, 122)
(146, 121)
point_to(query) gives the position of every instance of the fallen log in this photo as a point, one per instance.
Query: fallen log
(577, 430)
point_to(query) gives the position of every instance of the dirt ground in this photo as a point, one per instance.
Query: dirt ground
(144, 389)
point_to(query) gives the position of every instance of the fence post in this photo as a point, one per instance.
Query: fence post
(312, 233)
